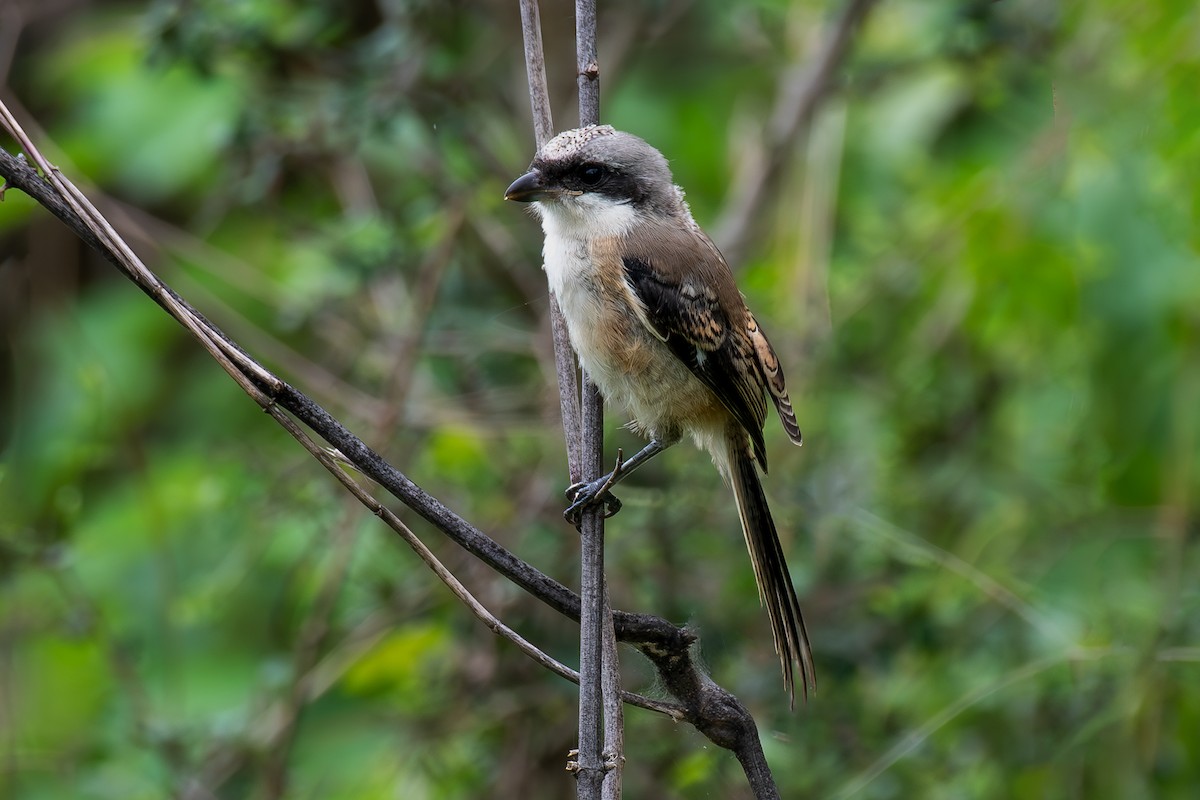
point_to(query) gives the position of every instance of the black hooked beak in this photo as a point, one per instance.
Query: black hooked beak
(528, 188)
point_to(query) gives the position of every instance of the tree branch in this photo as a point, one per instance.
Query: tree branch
(597, 731)
(543, 131)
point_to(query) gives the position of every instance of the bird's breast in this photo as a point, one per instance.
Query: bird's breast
(632, 367)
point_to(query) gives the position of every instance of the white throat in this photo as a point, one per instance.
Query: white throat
(591, 215)
(571, 225)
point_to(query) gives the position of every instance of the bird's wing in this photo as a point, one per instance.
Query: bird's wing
(689, 301)
(772, 377)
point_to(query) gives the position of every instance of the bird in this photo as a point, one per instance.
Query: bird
(658, 324)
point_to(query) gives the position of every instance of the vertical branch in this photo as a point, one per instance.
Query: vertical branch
(543, 130)
(586, 62)
(590, 772)
(584, 433)
(599, 672)
(568, 390)
(535, 72)
(614, 707)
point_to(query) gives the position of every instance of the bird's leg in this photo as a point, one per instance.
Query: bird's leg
(589, 493)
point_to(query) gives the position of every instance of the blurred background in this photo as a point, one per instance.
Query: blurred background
(978, 264)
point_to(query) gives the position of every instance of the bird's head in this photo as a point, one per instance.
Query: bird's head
(596, 170)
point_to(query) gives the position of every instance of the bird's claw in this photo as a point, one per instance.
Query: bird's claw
(585, 494)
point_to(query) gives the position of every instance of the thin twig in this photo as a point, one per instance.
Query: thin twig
(582, 428)
(600, 734)
(587, 62)
(543, 131)
(535, 73)
(590, 771)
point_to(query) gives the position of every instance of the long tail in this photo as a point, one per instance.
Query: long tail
(775, 589)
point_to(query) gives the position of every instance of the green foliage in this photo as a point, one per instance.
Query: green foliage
(980, 271)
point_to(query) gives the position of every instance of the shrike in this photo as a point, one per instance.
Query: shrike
(658, 323)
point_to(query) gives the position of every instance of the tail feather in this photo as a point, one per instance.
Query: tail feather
(783, 404)
(775, 588)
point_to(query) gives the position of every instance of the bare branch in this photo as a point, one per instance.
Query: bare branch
(599, 666)
(587, 62)
(583, 429)
(535, 71)
(594, 609)
(543, 130)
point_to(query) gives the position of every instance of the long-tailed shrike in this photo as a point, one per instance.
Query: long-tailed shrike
(658, 323)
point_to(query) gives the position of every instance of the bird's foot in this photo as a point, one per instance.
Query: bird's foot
(586, 494)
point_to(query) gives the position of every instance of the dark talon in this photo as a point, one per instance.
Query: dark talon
(574, 512)
(584, 494)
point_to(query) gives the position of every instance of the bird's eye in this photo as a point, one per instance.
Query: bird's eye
(591, 174)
